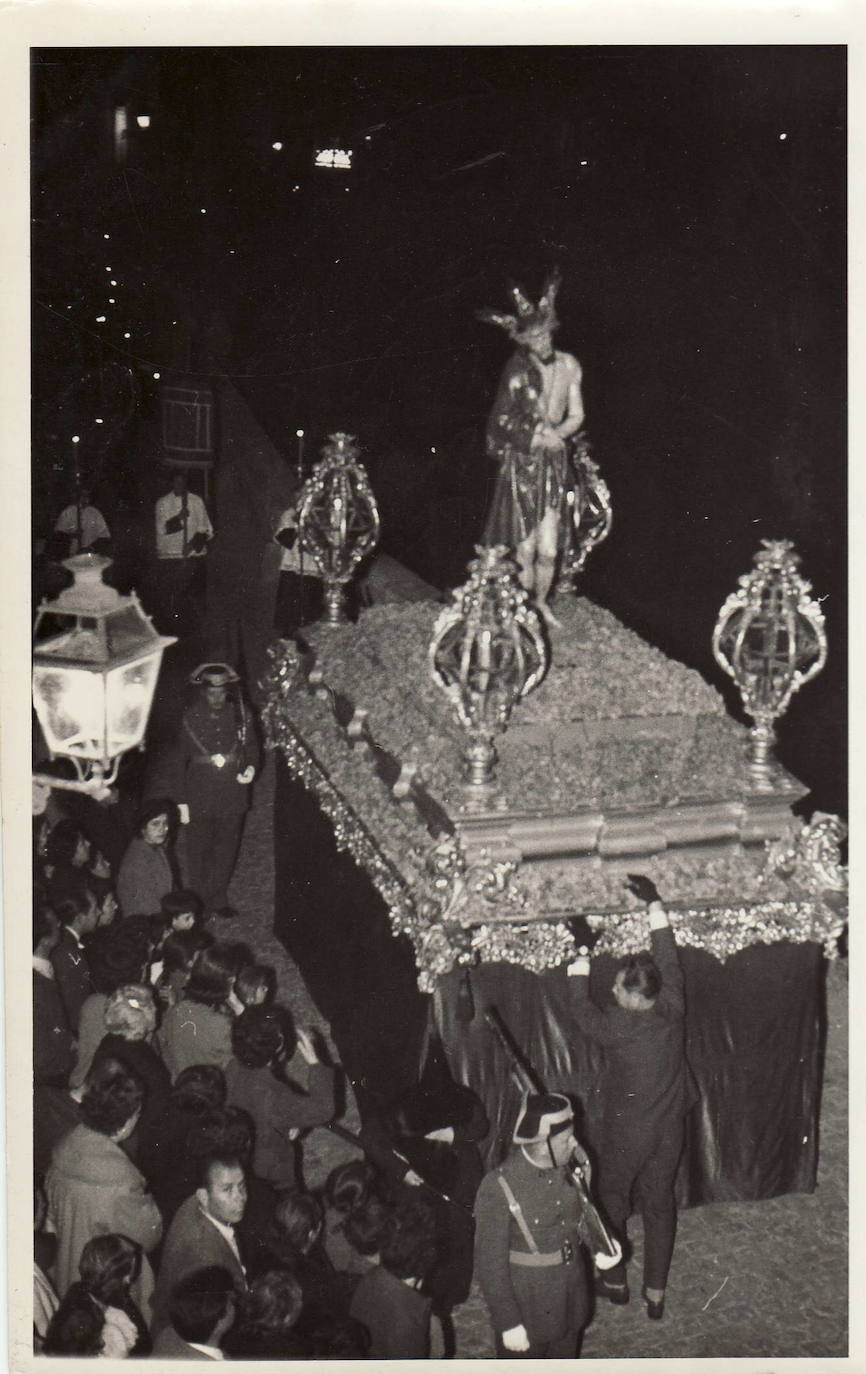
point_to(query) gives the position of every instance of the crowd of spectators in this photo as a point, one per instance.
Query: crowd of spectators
(172, 1094)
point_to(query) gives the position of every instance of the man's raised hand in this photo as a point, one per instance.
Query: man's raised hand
(643, 888)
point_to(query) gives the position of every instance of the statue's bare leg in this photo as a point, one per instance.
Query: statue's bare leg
(545, 564)
(526, 562)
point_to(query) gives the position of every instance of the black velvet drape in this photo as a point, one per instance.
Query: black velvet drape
(755, 1024)
(755, 1034)
(335, 926)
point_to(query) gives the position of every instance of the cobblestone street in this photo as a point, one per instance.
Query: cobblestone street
(764, 1279)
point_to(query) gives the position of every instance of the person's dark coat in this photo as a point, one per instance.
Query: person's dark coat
(397, 1316)
(276, 1109)
(647, 1082)
(144, 878)
(142, 1060)
(72, 972)
(193, 1242)
(53, 1040)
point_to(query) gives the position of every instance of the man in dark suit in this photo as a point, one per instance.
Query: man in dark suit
(646, 1092)
(78, 916)
(53, 1041)
(203, 1232)
(201, 1309)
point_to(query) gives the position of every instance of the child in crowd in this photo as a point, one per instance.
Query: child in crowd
(170, 973)
(256, 985)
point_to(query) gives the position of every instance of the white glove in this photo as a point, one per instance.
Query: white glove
(183, 813)
(580, 967)
(247, 775)
(414, 1179)
(156, 971)
(608, 1261)
(306, 1047)
(516, 1339)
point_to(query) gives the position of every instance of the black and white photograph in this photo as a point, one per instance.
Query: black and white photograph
(439, 713)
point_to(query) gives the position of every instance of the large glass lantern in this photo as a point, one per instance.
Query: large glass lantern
(486, 654)
(338, 519)
(96, 659)
(770, 639)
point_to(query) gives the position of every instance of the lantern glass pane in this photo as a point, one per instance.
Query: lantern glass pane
(129, 693)
(127, 632)
(70, 704)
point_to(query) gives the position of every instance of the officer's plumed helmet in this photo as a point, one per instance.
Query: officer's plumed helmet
(541, 1116)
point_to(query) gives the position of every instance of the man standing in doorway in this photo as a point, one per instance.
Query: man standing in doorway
(183, 530)
(537, 411)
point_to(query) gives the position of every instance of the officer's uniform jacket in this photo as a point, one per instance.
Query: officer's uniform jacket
(213, 747)
(550, 1298)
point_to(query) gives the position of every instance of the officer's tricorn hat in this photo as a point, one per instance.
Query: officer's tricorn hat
(213, 675)
(541, 1116)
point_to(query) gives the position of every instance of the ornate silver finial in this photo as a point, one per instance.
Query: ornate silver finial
(338, 518)
(770, 639)
(486, 654)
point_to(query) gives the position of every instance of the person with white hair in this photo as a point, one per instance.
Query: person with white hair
(130, 1021)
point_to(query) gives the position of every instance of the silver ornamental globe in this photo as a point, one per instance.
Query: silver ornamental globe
(770, 639)
(338, 519)
(487, 652)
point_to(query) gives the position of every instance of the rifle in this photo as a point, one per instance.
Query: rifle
(599, 1238)
(356, 1140)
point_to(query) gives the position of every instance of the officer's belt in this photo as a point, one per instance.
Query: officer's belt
(538, 1260)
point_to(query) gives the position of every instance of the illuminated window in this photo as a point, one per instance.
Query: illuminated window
(334, 157)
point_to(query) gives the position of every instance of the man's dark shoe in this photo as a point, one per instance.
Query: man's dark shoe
(616, 1292)
(654, 1310)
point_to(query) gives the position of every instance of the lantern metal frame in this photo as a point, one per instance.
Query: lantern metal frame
(487, 653)
(774, 599)
(99, 637)
(338, 519)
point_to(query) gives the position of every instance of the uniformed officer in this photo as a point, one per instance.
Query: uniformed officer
(528, 1237)
(216, 758)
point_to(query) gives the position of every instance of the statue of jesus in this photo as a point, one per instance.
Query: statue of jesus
(537, 410)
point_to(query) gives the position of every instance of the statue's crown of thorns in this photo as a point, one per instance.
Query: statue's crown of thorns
(527, 317)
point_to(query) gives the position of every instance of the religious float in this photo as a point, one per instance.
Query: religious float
(459, 798)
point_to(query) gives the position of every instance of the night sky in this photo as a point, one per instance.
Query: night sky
(693, 198)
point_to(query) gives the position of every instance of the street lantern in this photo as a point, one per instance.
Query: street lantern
(486, 654)
(338, 519)
(96, 659)
(770, 639)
